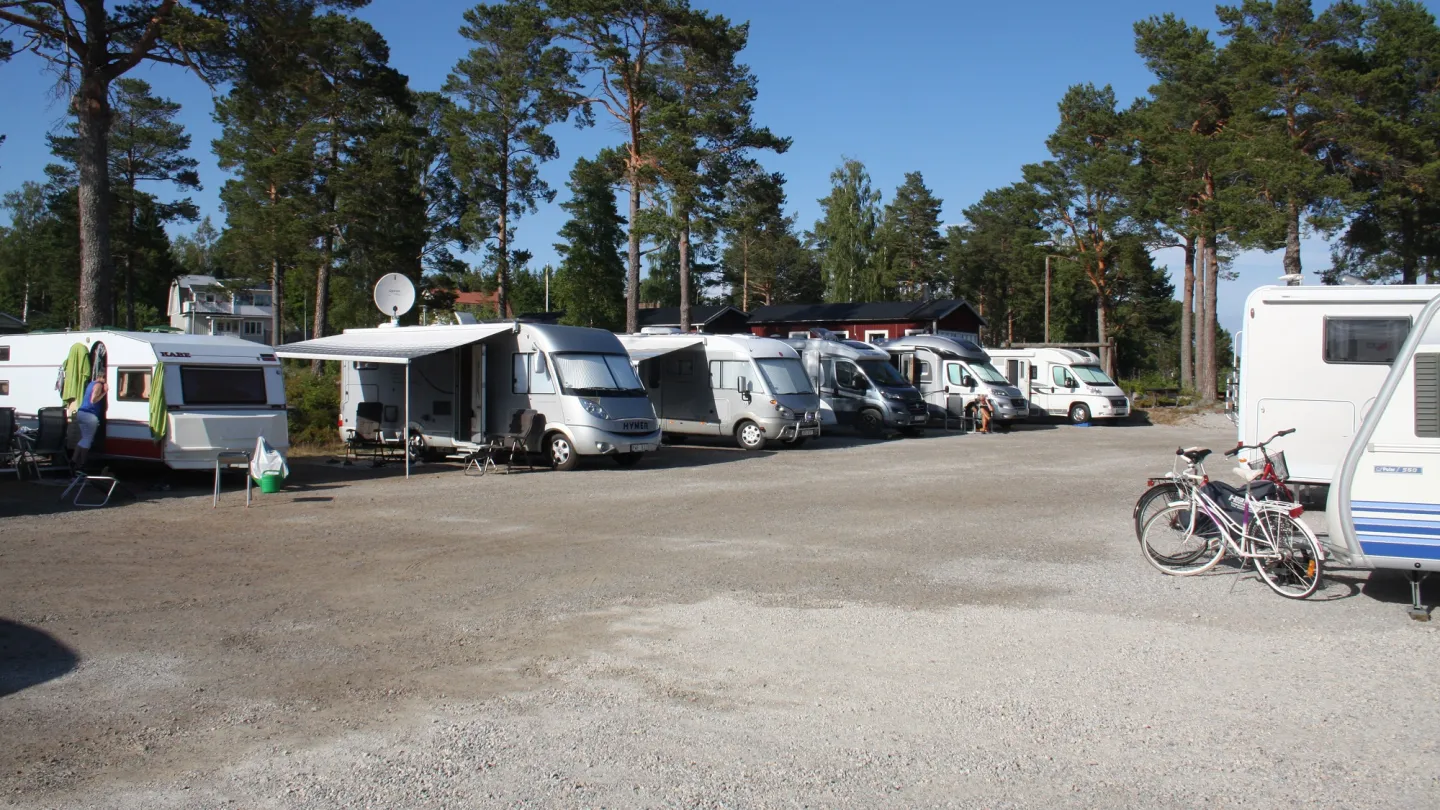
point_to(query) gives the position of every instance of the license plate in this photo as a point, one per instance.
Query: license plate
(920, 420)
(815, 431)
(639, 448)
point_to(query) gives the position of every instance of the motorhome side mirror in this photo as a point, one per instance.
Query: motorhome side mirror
(742, 385)
(1070, 383)
(968, 382)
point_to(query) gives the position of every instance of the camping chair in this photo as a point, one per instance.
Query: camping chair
(9, 446)
(526, 440)
(49, 442)
(365, 437)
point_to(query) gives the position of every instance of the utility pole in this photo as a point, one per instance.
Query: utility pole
(547, 288)
(1048, 257)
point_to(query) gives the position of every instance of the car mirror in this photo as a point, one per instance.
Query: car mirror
(968, 382)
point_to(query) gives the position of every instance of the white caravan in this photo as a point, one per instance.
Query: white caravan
(1063, 382)
(751, 388)
(219, 393)
(1384, 509)
(453, 387)
(952, 373)
(1313, 359)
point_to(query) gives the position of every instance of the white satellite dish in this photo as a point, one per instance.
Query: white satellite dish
(394, 295)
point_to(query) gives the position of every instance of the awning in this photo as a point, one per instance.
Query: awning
(639, 353)
(389, 344)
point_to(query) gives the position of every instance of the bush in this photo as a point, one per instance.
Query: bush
(314, 403)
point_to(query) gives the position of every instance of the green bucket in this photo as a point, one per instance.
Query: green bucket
(270, 482)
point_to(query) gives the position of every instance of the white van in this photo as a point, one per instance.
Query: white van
(1313, 358)
(219, 393)
(1063, 382)
(952, 373)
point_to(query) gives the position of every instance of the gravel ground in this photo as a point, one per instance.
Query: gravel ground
(948, 621)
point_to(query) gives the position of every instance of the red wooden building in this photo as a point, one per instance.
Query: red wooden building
(880, 320)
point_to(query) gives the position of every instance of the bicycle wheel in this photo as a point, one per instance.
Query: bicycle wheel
(1289, 557)
(1153, 500)
(1179, 542)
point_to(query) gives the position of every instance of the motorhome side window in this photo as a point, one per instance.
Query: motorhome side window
(923, 369)
(4, 354)
(530, 374)
(1427, 396)
(725, 373)
(1364, 340)
(1061, 376)
(222, 385)
(132, 385)
(847, 375)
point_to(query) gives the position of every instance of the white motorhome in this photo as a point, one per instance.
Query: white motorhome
(1384, 509)
(952, 373)
(219, 393)
(452, 387)
(1063, 382)
(751, 388)
(1314, 358)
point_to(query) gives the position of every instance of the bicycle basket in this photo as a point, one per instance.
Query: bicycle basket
(1282, 472)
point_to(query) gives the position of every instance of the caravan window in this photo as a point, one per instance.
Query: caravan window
(588, 374)
(4, 354)
(222, 385)
(519, 373)
(923, 371)
(4, 388)
(133, 385)
(725, 373)
(1364, 340)
(530, 374)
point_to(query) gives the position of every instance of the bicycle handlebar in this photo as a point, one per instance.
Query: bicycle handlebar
(1261, 446)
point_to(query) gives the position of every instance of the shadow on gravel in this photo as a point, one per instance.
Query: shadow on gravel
(1392, 587)
(30, 656)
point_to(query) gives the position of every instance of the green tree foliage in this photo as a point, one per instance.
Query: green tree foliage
(511, 86)
(996, 262)
(590, 284)
(196, 253)
(910, 232)
(38, 252)
(846, 236)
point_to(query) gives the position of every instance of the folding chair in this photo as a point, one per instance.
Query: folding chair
(526, 440)
(49, 441)
(365, 436)
(106, 484)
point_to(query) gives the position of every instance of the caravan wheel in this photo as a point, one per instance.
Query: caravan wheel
(562, 453)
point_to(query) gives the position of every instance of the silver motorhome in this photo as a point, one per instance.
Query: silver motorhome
(952, 373)
(859, 388)
(751, 388)
(455, 386)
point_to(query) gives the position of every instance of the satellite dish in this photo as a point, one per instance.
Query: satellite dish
(394, 295)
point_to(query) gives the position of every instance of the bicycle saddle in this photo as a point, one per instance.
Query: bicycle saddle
(1195, 454)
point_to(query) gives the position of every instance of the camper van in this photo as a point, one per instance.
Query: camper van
(1063, 382)
(1384, 508)
(456, 386)
(217, 393)
(1314, 358)
(750, 388)
(858, 387)
(952, 373)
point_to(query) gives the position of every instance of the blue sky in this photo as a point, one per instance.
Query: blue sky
(963, 92)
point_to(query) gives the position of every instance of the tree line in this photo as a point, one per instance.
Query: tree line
(1282, 122)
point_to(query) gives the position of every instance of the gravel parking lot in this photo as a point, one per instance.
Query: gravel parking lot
(947, 621)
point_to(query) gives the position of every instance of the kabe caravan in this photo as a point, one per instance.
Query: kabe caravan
(858, 386)
(952, 373)
(751, 388)
(1064, 382)
(211, 393)
(1384, 509)
(455, 386)
(1314, 358)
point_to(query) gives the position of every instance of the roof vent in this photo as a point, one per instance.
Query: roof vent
(660, 330)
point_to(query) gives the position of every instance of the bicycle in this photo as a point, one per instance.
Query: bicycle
(1192, 535)
(1161, 491)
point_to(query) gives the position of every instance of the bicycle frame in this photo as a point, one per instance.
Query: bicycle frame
(1200, 501)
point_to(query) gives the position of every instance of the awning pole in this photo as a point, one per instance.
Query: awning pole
(407, 419)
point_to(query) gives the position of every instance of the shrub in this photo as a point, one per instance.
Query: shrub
(314, 403)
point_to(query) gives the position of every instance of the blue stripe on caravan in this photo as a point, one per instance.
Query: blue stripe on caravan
(1400, 550)
(1363, 526)
(1392, 537)
(1396, 506)
(1419, 524)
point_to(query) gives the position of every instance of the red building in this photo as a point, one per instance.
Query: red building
(880, 320)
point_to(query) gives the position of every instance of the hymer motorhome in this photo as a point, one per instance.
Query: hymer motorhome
(1313, 358)
(454, 386)
(1064, 382)
(859, 388)
(211, 394)
(751, 388)
(952, 373)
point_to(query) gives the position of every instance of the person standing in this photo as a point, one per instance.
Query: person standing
(92, 405)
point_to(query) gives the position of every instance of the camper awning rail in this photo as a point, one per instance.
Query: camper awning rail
(638, 351)
(388, 345)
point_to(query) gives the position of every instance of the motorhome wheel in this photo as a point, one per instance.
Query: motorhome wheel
(871, 423)
(628, 459)
(562, 454)
(1079, 413)
(749, 436)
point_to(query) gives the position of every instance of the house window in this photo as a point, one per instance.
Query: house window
(133, 385)
(872, 335)
(254, 327)
(225, 327)
(209, 298)
(1364, 340)
(844, 334)
(262, 300)
(798, 334)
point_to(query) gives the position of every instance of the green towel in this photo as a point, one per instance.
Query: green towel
(77, 373)
(158, 411)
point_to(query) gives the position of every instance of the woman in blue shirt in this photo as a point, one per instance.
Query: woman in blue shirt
(92, 404)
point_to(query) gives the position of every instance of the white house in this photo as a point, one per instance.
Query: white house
(204, 305)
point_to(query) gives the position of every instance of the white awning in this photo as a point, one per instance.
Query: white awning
(642, 352)
(389, 344)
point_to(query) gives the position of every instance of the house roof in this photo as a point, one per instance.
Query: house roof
(10, 323)
(861, 312)
(670, 316)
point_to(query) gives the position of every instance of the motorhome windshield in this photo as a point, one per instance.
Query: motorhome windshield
(784, 375)
(588, 374)
(988, 373)
(223, 385)
(1092, 375)
(881, 372)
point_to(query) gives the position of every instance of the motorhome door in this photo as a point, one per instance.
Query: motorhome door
(477, 392)
(960, 387)
(851, 386)
(1017, 371)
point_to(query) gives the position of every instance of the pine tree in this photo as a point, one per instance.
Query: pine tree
(590, 284)
(911, 230)
(754, 211)
(845, 236)
(995, 260)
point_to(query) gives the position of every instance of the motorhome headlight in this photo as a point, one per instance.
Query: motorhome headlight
(592, 407)
(785, 413)
(895, 395)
